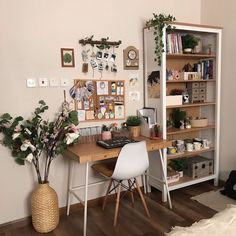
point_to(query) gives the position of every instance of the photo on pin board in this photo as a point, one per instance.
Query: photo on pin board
(119, 112)
(102, 87)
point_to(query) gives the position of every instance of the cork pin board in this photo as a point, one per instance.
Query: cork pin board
(99, 99)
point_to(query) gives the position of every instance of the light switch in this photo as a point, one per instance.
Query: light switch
(43, 82)
(64, 82)
(54, 82)
(31, 83)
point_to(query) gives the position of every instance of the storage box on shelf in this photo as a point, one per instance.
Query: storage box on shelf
(199, 167)
(203, 87)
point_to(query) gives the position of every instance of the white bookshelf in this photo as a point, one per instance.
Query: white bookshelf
(210, 108)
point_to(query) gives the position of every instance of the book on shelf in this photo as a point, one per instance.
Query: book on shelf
(204, 68)
(174, 43)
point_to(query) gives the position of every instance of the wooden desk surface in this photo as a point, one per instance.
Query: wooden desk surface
(89, 152)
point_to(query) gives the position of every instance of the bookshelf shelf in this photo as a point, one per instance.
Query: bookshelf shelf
(192, 105)
(190, 81)
(189, 56)
(189, 154)
(173, 131)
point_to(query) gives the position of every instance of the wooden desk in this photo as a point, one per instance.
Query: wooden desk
(90, 152)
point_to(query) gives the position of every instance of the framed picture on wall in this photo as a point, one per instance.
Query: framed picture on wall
(67, 57)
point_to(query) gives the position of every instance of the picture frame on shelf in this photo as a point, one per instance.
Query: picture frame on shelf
(67, 57)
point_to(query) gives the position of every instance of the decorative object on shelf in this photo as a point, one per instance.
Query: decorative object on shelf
(189, 41)
(178, 116)
(133, 123)
(187, 68)
(39, 142)
(158, 22)
(182, 124)
(179, 164)
(188, 123)
(197, 91)
(131, 58)
(185, 97)
(199, 122)
(199, 166)
(67, 57)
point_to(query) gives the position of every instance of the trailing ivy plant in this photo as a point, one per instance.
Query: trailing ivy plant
(158, 22)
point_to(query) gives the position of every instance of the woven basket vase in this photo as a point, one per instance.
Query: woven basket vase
(44, 206)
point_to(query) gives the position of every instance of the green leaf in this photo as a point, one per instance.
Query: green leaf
(20, 161)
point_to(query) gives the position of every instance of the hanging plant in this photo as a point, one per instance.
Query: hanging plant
(158, 22)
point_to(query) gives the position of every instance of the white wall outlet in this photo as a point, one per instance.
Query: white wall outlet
(43, 82)
(31, 83)
(54, 82)
(64, 82)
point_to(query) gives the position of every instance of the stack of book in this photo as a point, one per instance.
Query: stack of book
(174, 43)
(204, 69)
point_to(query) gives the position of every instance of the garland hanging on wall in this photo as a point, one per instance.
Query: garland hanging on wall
(158, 22)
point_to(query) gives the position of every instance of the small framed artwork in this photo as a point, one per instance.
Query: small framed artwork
(67, 57)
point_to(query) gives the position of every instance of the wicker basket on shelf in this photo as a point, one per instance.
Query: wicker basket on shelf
(44, 206)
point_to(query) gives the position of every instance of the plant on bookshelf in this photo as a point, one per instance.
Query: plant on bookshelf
(158, 22)
(189, 41)
(178, 116)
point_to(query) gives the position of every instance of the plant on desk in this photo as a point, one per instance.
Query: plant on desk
(133, 123)
(38, 141)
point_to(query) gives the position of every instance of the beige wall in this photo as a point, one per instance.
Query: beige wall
(32, 33)
(222, 13)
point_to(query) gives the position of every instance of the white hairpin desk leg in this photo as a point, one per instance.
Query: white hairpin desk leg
(165, 178)
(86, 199)
(70, 170)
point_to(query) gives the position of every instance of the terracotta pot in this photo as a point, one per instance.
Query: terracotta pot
(135, 131)
(44, 207)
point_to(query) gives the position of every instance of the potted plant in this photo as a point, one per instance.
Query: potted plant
(178, 117)
(39, 142)
(179, 164)
(133, 123)
(175, 97)
(189, 42)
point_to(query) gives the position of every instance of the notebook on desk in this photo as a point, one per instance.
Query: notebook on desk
(115, 142)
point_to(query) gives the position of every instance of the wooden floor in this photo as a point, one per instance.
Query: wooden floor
(132, 221)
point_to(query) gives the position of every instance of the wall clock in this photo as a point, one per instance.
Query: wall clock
(131, 58)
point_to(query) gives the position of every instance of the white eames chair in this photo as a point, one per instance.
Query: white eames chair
(131, 163)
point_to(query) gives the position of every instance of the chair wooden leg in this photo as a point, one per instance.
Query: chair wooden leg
(131, 192)
(117, 204)
(142, 198)
(105, 199)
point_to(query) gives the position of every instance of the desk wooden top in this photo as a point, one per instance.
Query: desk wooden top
(89, 152)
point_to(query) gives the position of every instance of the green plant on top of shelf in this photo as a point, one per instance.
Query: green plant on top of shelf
(189, 41)
(158, 22)
(133, 121)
